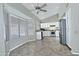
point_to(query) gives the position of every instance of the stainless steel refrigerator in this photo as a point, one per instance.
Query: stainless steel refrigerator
(62, 33)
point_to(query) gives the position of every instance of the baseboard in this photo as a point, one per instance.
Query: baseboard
(18, 46)
(74, 53)
(68, 47)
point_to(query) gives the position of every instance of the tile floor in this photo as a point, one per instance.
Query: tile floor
(49, 46)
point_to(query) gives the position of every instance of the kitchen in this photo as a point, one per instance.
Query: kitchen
(50, 29)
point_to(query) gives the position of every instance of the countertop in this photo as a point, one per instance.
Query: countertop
(45, 30)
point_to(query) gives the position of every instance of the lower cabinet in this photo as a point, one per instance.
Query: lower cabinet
(39, 35)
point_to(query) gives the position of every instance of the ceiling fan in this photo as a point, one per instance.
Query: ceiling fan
(39, 8)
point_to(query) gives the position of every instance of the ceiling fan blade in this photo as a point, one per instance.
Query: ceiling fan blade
(43, 5)
(43, 10)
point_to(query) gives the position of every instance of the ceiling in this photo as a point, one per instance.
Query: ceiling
(52, 9)
(53, 18)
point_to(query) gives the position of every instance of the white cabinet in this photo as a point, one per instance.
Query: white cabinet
(46, 33)
(57, 33)
(38, 35)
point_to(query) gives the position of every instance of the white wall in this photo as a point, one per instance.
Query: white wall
(68, 27)
(2, 32)
(14, 11)
(72, 26)
(62, 9)
(38, 26)
(53, 18)
(25, 11)
(75, 28)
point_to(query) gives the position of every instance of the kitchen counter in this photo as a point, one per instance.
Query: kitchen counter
(42, 33)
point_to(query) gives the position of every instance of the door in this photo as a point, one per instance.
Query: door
(63, 31)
